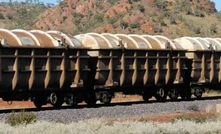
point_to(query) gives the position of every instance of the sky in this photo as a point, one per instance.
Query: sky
(217, 2)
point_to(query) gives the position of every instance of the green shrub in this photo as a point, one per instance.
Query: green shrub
(21, 118)
(89, 13)
(172, 20)
(198, 11)
(77, 15)
(112, 20)
(112, 2)
(64, 18)
(160, 4)
(194, 119)
(60, 121)
(184, 6)
(197, 31)
(218, 15)
(2, 16)
(213, 28)
(77, 21)
(135, 25)
(99, 17)
(9, 16)
(22, 11)
(124, 25)
(157, 29)
(141, 8)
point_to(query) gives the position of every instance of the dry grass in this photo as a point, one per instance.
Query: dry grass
(178, 123)
(100, 127)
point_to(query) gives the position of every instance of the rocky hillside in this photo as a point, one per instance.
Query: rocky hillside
(171, 18)
(20, 15)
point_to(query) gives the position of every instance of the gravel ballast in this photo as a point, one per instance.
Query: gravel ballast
(118, 111)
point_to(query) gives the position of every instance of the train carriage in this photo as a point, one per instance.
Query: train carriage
(36, 65)
(203, 62)
(134, 64)
(52, 67)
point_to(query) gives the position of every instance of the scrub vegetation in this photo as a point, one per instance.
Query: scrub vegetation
(25, 122)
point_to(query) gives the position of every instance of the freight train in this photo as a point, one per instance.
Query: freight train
(52, 67)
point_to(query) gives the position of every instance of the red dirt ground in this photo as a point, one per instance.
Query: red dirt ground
(166, 117)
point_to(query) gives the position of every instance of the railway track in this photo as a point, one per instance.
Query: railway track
(103, 105)
(117, 110)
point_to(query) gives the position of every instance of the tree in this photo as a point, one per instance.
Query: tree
(124, 25)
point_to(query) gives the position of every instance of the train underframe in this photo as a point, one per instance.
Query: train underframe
(73, 97)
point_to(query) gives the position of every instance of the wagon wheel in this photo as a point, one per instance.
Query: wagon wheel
(161, 94)
(72, 100)
(173, 94)
(146, 95)
(106, 99)
(198, 92)
(56, 100)
(38, 102)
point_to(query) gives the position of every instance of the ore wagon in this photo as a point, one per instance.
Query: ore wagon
(203, 64)
(134, 64)
(36, 65)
